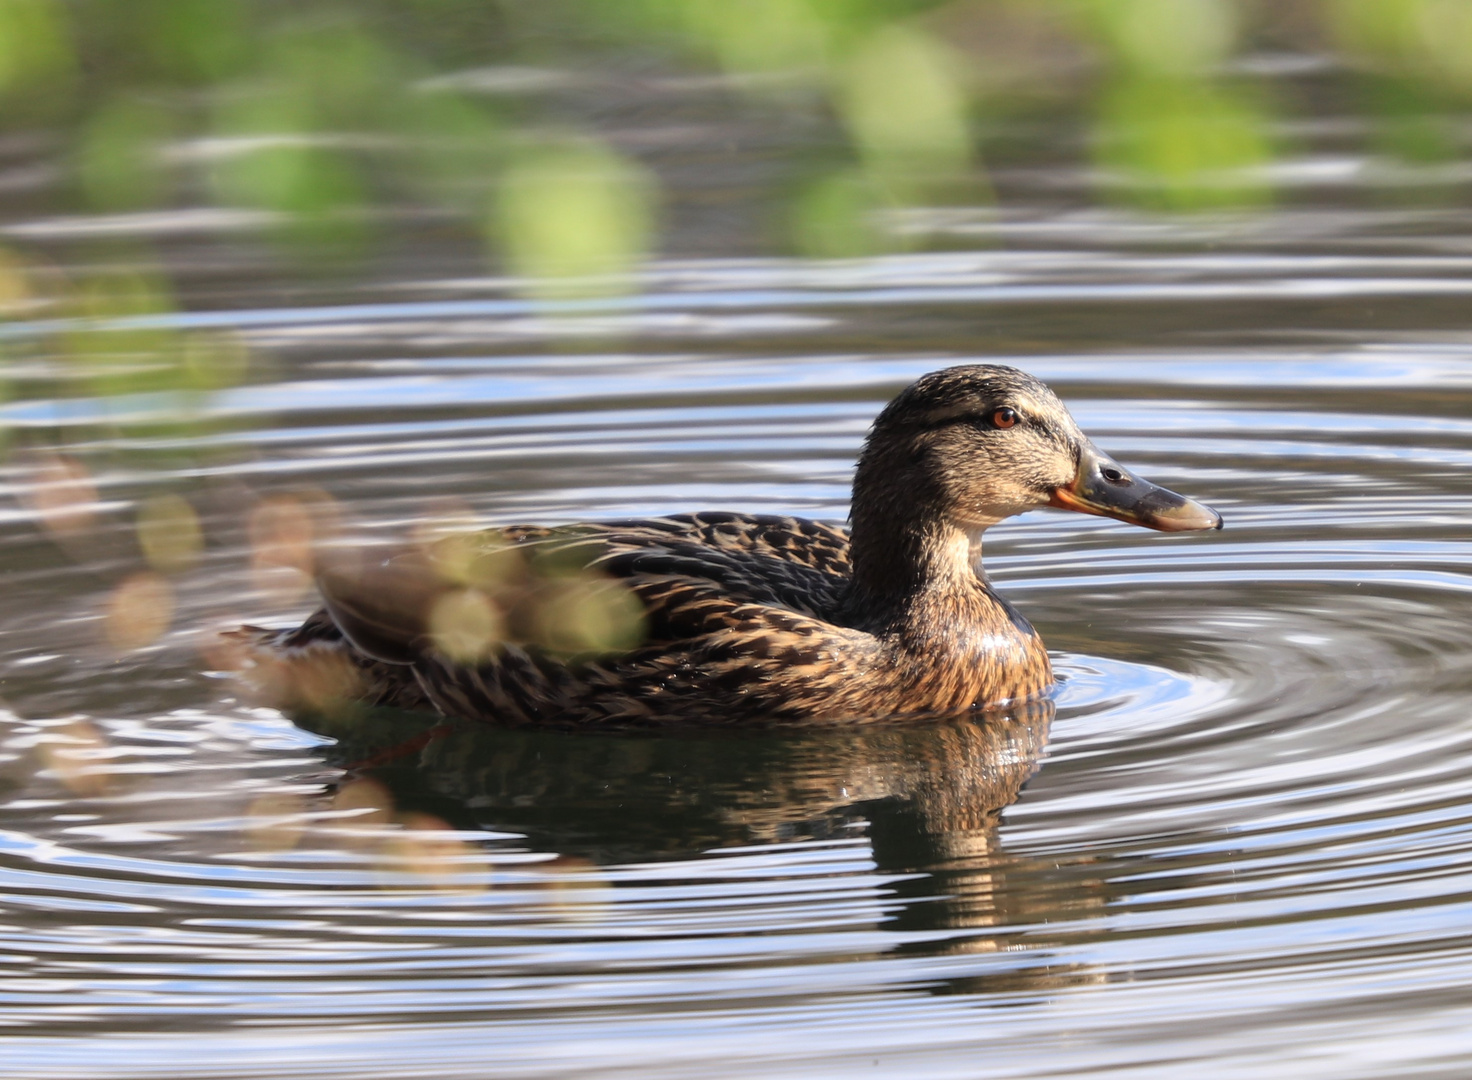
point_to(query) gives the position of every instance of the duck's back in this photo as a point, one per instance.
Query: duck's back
(787, 562)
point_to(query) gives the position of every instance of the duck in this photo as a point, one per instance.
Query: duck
(723, 618)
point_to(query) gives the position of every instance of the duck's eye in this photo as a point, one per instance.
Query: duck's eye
(1004, 417)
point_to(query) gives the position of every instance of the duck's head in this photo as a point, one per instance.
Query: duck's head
(969, 446)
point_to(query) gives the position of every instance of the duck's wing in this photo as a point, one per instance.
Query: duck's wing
(791, 562)
(709, 657)
(714, 601)
(816, 545)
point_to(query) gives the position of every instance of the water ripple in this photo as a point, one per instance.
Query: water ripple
(1239, 839)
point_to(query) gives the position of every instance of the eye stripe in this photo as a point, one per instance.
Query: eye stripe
(984, 418)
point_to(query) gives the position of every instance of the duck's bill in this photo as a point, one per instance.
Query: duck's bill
(1105, 487)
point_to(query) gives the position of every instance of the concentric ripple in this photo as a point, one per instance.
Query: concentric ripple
(1237, 840)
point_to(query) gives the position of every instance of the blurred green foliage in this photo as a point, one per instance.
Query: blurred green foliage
(572, 218)
(118, 155)
(325, 115)
(331, 118)
(1184, 146)
(37, 60)
(759, 36)
(120, 345)
(902, 102)
(1415, 66)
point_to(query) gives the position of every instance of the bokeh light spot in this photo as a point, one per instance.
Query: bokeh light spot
(284, 531)
(427, 851)
(169, 533)
(63, 495)
(75, 754)
(906, 110)
(464, 625)
(590, 614)
(139, 611)
(275, 822)
(574, 219)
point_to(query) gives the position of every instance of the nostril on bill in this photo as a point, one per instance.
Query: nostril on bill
(1113, 475)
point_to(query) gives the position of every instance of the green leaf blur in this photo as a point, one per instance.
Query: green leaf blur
(329, 133)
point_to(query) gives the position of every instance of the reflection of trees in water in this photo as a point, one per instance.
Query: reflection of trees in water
(930, 795)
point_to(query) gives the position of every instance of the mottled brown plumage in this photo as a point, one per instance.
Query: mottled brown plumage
(720, 618)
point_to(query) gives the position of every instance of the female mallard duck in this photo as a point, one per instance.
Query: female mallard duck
(736, 618)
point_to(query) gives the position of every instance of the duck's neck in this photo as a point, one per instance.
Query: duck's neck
(950, 642)
(903, 567)
(947, 641)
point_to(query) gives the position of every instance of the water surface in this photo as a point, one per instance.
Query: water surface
(1237, 846)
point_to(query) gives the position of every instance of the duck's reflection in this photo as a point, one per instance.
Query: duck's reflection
(928, 795)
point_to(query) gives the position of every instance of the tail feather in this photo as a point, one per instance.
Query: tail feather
(313, 669)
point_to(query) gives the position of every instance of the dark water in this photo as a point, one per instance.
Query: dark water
(1244, 851)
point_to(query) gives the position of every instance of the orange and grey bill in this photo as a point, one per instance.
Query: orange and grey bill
(1103, 486)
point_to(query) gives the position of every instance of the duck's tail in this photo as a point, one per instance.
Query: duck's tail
(313, 669)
